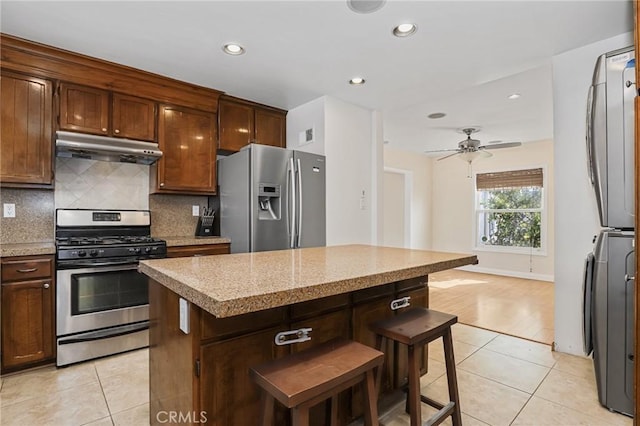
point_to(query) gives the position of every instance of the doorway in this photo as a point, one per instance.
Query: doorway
(396, 223)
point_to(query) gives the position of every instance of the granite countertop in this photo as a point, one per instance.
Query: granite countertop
(236, 284)
(173, 241)
(27, 249)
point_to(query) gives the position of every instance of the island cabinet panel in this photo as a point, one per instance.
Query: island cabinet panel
(26, 131)
(198, 250)
(208, 379)
(187, 140)
(28, 307)
(418, 298)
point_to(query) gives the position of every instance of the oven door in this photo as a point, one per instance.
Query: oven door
(98, 297)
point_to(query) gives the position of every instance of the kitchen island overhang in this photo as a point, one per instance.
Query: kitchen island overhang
(236, 284)
(240, 304)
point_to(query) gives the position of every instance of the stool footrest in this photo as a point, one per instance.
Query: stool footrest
(431, 402)
(441, 415)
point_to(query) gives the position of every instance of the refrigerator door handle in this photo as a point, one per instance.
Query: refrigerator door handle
(587, 302)
(299, 172)
(589, 135)
(292, 204)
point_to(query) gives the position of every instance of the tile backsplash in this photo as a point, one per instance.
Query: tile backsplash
(89, 184)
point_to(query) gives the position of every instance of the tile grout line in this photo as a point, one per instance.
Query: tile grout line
(531, 396)
(103, 394)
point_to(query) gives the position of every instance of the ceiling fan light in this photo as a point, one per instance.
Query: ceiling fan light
(469, 156)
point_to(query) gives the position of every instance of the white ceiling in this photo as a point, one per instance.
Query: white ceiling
(464, 60)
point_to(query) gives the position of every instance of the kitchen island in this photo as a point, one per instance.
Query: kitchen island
(244, 309)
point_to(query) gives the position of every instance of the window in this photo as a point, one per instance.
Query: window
(509, 210)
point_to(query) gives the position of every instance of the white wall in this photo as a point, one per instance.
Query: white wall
(453, 209)
(420, 168)
(348, 136)
(576, 211)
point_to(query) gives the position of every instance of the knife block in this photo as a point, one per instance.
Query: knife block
(205, 226)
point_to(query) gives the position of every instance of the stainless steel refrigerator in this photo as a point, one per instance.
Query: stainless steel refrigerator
(609, 272)
(272, 198)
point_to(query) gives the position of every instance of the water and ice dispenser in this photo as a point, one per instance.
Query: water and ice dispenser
(269, 202)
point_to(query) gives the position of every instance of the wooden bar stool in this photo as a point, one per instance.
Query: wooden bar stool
(304, 379)
(415, 328)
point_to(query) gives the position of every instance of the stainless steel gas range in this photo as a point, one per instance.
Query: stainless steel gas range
(102, 301)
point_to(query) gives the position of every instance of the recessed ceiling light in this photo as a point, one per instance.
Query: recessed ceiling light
(514, 96)
(436, 115)
(404, 30)
(365, 6)
(233, 49)
(356, 81)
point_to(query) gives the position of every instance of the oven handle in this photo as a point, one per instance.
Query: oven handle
(105, 334)
(76, 264)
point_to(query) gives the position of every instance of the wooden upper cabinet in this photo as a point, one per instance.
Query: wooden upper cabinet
(242, 122)
(187, 140)
(26, 131)
(87, 109)
(84, 109)
(134, 118)
(236, 125)
(270, 128)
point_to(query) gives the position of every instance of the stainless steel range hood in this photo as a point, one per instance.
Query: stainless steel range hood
(81, 145)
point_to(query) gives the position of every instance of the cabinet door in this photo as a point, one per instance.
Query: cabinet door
(236, 125)
(25, 134)
(134, 118)
(270, 128)
(27, 326)
(225, 386)
(84, 109)
(324, 328)
(363, 315)
(186, 138)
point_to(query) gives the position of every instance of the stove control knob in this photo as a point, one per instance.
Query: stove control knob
(147, 249)
(136, 250)
(93, 253)
(82, 253)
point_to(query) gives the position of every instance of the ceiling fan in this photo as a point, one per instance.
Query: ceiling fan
(470, 149)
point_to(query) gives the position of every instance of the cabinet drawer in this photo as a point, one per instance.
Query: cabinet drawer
(198, 250)
(411, 283)
(373, 293)
(26, 268)
(313, 308)
(222, 328)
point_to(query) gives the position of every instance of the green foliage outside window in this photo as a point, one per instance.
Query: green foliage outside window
(519, 222)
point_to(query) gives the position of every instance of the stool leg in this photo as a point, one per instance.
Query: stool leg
(266, 408)
(333, 410)
(370, 400)
(414, 388)
(452, 380)
(380, 340)
(300, 416)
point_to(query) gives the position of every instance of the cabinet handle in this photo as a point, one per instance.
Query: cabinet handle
(300, 335)
(116, 131)
(104, 129)
(26, 271)
(161, 184)
(46, 285)
(403, 302)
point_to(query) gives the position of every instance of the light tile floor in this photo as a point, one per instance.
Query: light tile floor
(503, 380)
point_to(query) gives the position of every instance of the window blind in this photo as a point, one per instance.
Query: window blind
(510, 179)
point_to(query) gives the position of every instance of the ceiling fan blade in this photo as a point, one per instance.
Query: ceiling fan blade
(447, 156)
(442, 150)
(501, 145)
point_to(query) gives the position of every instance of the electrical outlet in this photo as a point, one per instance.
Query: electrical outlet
(9, 210)
(195, 210)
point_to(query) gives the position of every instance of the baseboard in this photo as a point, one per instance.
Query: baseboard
(515, 274)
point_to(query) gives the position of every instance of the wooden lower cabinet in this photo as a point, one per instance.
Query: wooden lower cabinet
(28, 309)
(205, 374)
(198, 250)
